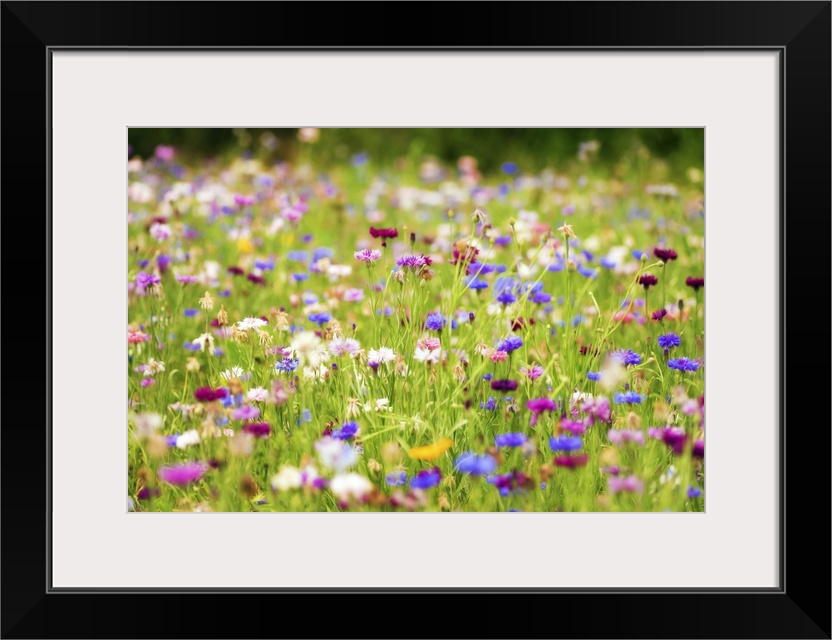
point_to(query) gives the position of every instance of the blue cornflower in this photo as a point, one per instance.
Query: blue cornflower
(637, 254)
(396, 479)
(607, 263)
(586, 254)
(510, 439)
(490, 404)
(472, 282)
(565, 443)
(298, 256)
(322, 252)
(346, 431)
(190, 346)
(300, 277)
(586, 273)
(488, 376)
(512, 343)
(426, 479)
(475, 465)
(694, 492)
(626, 357)
(683, 364)
(435, 321)
(591, 375)
(506, 297)
(320, 318)
(541, 297)
(264, 265)
(359, 160)
(309, 298)
(669, 341)
(287, 365)
(305, 416)
(628, 397)
(502, 241)
(509, 167)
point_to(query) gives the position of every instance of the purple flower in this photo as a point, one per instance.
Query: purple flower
(396, 479)
(414, 262)
(669, 341)
(475, 465)
(435, 321)
(538, 406)
(207, 394)
(631, 484)
(621, 436)
(695, 283)
(187, 279)
(367, 255)
(648, 280)
(658, 315)
(591, 375)
(145, 280)
(575, 427)
(512, 343)
(504, 385)
(598, 409)
(683, 364)
(506, 297)
(182, 474)
(674, 437)
(346, 431)
(625, 357)
(426, 479)
(694, 492)
(246, 412)
(698, 450)
(510, 439)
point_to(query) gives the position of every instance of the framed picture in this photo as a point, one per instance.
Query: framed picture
(426, 318)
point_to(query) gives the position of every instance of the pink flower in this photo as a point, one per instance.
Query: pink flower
(621, 436)
(367, 255)
(499, 356)
(532, 372)
(135, 337)
(631, 484)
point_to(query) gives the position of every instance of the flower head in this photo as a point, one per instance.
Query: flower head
(426, 479)
(510, 439)
(665, 255)
(182, 474)
(683, 364)
(668, 341)
(648, 280)
(475, 465)
(565, 443)
(431, 451)
(368, 255)
(695, 283)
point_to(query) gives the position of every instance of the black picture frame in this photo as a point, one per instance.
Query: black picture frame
(799, 31)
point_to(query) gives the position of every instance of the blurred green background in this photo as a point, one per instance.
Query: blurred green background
(530, 149)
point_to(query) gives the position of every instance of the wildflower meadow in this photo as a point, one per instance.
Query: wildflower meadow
(323, 331)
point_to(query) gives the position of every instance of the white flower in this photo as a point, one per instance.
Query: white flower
(382, 404)
(288, 477)
(336, 454)
(236, 372)
(147, 424)
(382, 355)
(257, 394)
(153, 367)
(303, 345)
(160, 231)
(350, 485)
(251, 323)
(205, 340)
(612, 376)
(187, 439)
(580, 396)
(426, 355)
(344, 346)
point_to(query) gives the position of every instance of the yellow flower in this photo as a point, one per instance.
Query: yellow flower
(244, 245)
(431, 451)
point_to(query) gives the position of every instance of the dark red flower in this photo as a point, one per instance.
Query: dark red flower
(384, 233)
(259, 429)
(572, 462)
(696, 283)
(236, 271)
(207, 394)
(648, 280)
(665, 255)
(253, 277)
(504, 385)
(658, 315)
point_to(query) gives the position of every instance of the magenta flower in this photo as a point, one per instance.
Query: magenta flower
(674, 437)
(504, 385)
(207, 394)
(258, 429)
(575, 427)
(242, 200)
(631, 484)
(368, 255)
(572, 461)
(187, 279)
(246, 412)
(533, 372)
(414, 261)
(538, 406)
(145, 280)
(598, 409)
(181, 474)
